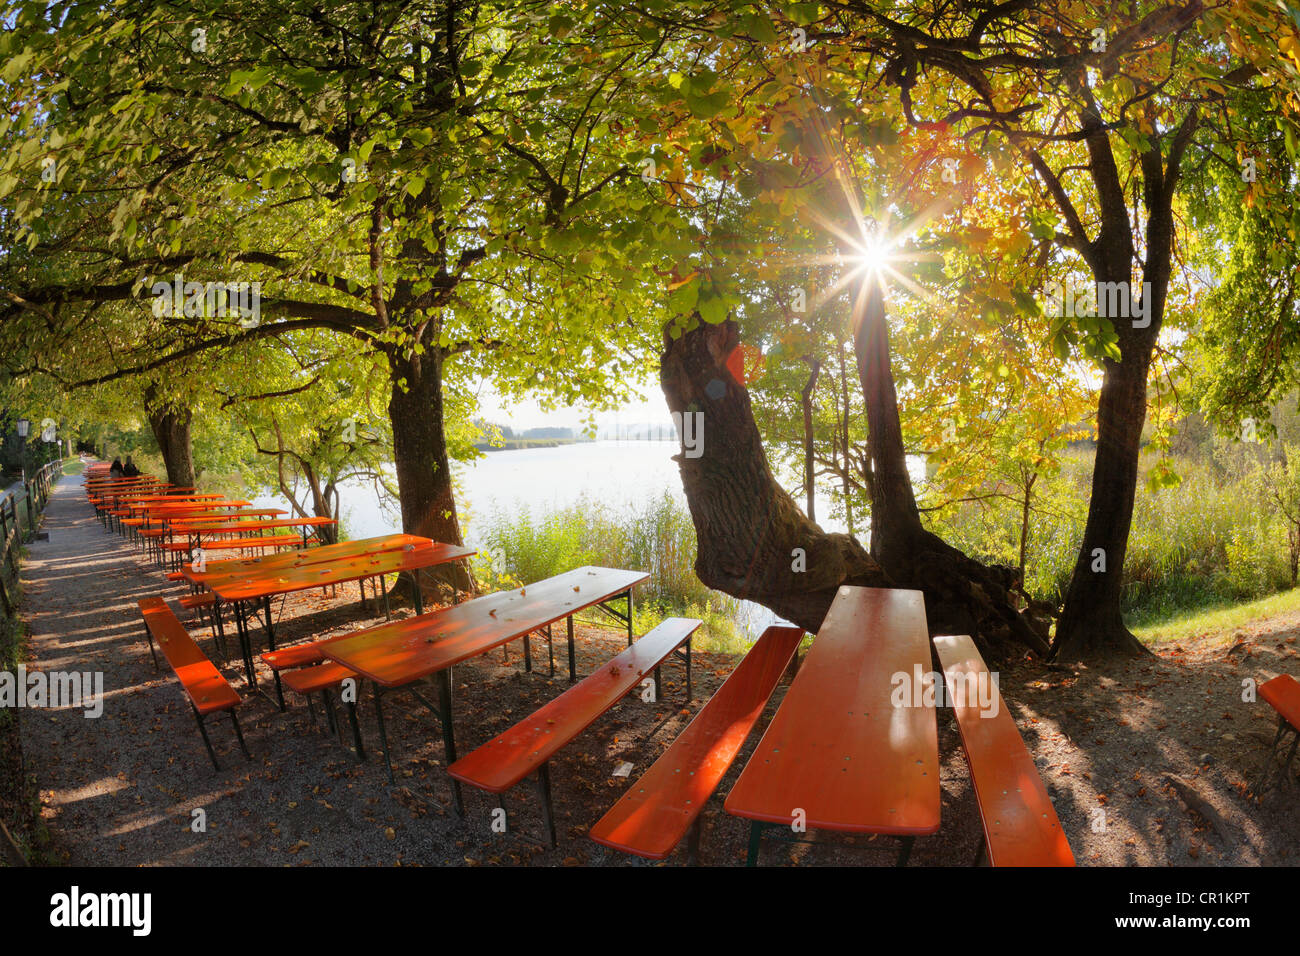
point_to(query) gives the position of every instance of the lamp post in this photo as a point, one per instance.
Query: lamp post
(23, 427)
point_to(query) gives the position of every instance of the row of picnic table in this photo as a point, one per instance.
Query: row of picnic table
(839, 754)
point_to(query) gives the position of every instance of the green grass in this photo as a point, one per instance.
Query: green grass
(73, 466)
(1221, 620)
(657, 537)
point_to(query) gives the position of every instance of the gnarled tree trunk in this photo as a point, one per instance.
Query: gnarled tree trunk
(424, 483)
(752, 538)
(1091, 623)
(170, 424)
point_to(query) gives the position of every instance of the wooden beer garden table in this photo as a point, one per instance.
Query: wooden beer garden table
(159, 519)
(839, 755)
(256, 586)
(300, 556)
(196, 529)
(397, 655)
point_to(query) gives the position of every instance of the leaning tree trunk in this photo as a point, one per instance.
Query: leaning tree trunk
(170, 424)
(755, 544)
(424, 483)
(753, 541)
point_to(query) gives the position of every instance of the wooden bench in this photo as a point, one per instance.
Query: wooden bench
(651, 818)
(1020, 823)
(289, 658)
(207, 690)
(1282, 693)
(322, 678)
(399, 655)
(529, 745)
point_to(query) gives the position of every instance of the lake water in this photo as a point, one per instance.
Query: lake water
(619, 474)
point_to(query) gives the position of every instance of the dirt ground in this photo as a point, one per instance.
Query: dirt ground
(120, 789)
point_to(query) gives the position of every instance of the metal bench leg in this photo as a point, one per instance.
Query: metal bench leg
(449, 734)
(245, 644)
(240, 735)
(383, 735)
(220, 625)
(203, 732)
(755, 841)
(218, 636)
(573, 670)
(330, 723)
(528, 653)
(1267, 769)
(550, 648)
(905, 850)
(544, 785)
(417, 598)
(1290, 757)
(351, 708)
(149, 636)
(693, 841)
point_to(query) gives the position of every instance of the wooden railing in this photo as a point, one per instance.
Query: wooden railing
(16, 510)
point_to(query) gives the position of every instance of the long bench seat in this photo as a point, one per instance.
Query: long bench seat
(529, 745)
(207, 690)
(1020, 824)
(651, 818)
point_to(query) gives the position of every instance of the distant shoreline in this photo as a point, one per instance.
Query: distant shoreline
(522, 444)
(519, 444)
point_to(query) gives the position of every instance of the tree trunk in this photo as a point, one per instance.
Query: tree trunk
(962, 596)
(424, 483)
(1092, 624)
(808, 462)
(1024, 522)
(895, 522)
(755, 544)
(171, 429)
(846, 490)
(753, 541)
(320, 505)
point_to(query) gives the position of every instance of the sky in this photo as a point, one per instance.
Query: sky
(519, 415)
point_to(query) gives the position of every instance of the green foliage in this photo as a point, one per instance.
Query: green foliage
(1212, 537)
(656, 536)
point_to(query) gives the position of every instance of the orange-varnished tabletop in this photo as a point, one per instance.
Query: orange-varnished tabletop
(320, 554)
(396, 654)
(839, 749)
(247, 587)
(233, 527)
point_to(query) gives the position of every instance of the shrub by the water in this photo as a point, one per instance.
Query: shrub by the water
(656, 536)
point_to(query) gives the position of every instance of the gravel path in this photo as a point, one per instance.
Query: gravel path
(121, 789)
